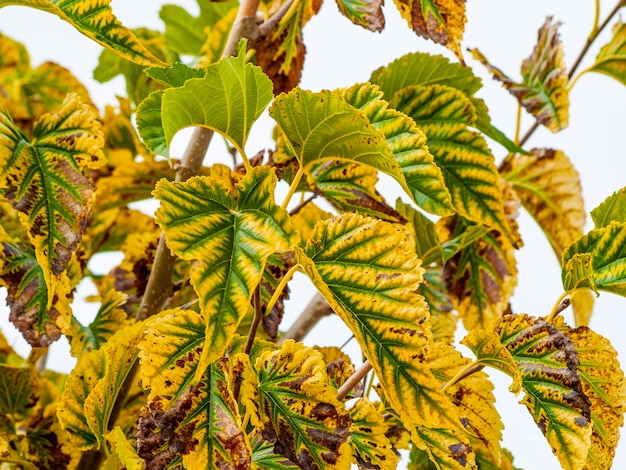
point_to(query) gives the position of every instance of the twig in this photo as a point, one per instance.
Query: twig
(353, 380)
(312, 313)
(300, 206)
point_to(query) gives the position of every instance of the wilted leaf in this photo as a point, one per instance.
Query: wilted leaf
(549, 188)
(300, 410)
(579, 272)
(468, 167)
(264, 456)
(370, 446)
(43, 180)
(489, 351)
(543, 91)
(96, 21)
(612, 209)
(228, 99)
(554, 395)
(373, 290)
(607, 247)
(611, 60)
(408, 145)
(440, 21)
(365, 13)
(232, 236)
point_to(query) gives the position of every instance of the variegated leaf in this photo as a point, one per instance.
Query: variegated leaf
(470, 174)
(300, 412)
(607, 248)
(543, 91)
(365, 13)
(553, 390)
(123, 449)
(95, 19)
(232, 236)
(440, 21)
(44, 181)
(373, 290)
(370, 447)
(549, 188)
(264, 456)
(408, 145)
(306, 218)
(611, 60)
(612, 209)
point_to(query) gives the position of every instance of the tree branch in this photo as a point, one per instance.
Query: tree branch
(312, 313)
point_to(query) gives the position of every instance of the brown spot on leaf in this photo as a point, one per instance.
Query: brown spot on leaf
(460, 452)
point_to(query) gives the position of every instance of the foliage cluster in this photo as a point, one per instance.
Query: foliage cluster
(185, 364)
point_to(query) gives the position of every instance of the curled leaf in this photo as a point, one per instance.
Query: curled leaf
(611, 60)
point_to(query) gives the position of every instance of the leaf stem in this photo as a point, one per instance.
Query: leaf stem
(353, 380)
(281, 287)
(293, 187)
(465, 372)
(561, 304)
(518, 123)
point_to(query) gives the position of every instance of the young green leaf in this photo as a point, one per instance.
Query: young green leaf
(299, 409)
(408, 145)
(44, 181)
(368, 272)
(96, 21)
(549, 188)
(611, 60)
(175, 75)
(445, 114)
(442, 22)
(232, 236)
(613, 208)
(607, 247)
(370, 446)
(365, 13)
(228, 99)
(553, 391)
(543, 91)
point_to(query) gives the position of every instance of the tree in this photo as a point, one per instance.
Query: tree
(185, 363)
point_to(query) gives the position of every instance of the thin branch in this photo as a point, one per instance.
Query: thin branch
(353, 380)
(300, 206)
(317, 309)
(269, 25)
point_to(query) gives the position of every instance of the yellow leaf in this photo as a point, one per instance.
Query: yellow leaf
(305, 219)
(124, 450)
(371, 447)
(582, 301)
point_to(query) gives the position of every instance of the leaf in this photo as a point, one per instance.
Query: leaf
(228, 99)
(481, 277)
(123, 449)
(19, 393)
(320, 126)
(607, 247)
(300, 410)
(549, 188)
(408, 145)
(440, 21)
(543, 91)
(370, 446)
(217, 38)
(43, 180)
(175, 75)
(442, 318)
(582, 302)
(365, 13)
(611, 59)
(350, 187)
(306, 218)
(603, 382)
(489, 351)
(96, 21)
(368, 272)
(28, 296)
(553, 392)
(613, 208)
(579, 272)
(422, 230)
(232, 236)
(264, 457)
(468, 168)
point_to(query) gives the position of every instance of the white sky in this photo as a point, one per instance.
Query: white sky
(340, 54)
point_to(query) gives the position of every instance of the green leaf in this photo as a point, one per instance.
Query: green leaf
(611, 60)
(368, 272)
(44, 181)
(543, 91)
(422, 229)
(468, 167)
(264, 457)
(350, 187)
(232, 236)
(175, 75)
(28, 295)
(228, 99)
(96, 21)
(185, 33)
(300, 410)
(408, 145)
(440, 21)
(489, 351)
(607, 247)
(365, 13)
(371, 448)
(553, 392)
(613, 208)
(579, 272)
(19, 394)
(150, 124)
(549, 188)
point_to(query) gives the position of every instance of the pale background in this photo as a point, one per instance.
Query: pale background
(340, 54)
